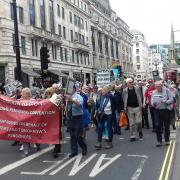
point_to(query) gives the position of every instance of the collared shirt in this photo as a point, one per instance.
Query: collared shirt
(77, 110)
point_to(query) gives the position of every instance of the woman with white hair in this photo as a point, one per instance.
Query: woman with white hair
(106, 113)
(25, 95)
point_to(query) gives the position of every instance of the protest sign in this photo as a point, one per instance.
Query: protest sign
(11, 87)
(34, 121)
(103, 78)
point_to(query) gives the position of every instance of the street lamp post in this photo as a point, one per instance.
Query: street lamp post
(81, 68)
(16, 45)
(155, 61)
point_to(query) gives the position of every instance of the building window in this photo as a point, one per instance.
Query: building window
(72, 56)
(79, 38)
(77, 57)
(88, 62)
(42, 14)
(99, 42)
(106, 46)
(75, 20)
(34, 46)
(138, 67)
(21, 15)
(65, 51)
(112, 48)
(71, 35)
(83, 40)
(93, 39)
(59, 30)
(32, 12)
(85, 7)
(61, 54)
(23, 45)
(12, 12)
(78, 3)
(138, 59)
(51, 13)
(58, 10)
(64, 32)
(86, 26)
(54, 52)
(137, 45)
(81, 58)
(76, 36)
(137, 51)
(63, 13)
(81, 5)
(70, 17)
(82, 23)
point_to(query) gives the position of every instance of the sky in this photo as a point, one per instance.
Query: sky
(152, 17)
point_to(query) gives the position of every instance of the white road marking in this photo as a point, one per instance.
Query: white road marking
(98, 168)
(55, 164)
(138, 172)
(67, 163)
(24, 160)
(78, 167)
(68, 137)
(135, 155)
(121, 138)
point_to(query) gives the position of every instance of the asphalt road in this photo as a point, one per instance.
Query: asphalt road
(140, 160)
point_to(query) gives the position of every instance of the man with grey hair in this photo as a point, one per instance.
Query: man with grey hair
(133, 106)
(162, 102)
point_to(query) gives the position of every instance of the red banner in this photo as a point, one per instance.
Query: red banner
(34, 121)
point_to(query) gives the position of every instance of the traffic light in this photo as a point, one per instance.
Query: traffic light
(44, 53)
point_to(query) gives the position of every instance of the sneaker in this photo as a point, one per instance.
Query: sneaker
(109, 146)
(84, 151)
(159, 144)
(140, 135)
(98, 146)
(166, 143)
(72, 155)
(21, 148)
(132, 139)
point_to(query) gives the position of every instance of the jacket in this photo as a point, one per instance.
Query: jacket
(125, 97)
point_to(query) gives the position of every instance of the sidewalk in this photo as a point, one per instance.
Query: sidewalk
(176, 164)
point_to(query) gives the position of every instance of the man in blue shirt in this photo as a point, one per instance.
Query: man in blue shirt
(76, 124)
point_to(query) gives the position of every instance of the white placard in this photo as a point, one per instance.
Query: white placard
(103, 78)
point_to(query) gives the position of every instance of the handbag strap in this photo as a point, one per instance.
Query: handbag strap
(105, 104)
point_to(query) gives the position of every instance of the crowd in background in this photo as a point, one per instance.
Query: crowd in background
(151, 105)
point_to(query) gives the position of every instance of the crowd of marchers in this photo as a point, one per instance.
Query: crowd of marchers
(151, 105)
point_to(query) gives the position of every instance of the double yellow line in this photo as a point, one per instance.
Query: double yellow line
(167, 164)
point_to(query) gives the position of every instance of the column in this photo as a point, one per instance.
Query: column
(109, 47)
(114, 48)
(47, 15)
(37, 12)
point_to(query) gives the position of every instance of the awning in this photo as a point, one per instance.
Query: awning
(58, 73)
(30, 72)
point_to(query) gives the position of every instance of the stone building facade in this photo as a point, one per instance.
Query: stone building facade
(82, 36)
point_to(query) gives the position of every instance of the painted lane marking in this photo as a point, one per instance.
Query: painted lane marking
(170, 161)
(165, 161)
(55, 164)
(24, 160)
(78, 167)
(121, 138)
(140, 156)
(138, 172)
(98, 168)
(77, 158)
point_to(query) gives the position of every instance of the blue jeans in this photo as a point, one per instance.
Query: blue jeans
(108, 120)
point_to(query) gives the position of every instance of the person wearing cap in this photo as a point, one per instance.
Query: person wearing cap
(133, 106)
(147, 101)
(76, 123)
(162, 102)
